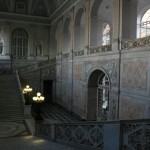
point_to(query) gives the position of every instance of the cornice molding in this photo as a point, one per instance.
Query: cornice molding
(64, 8)
(12, 17)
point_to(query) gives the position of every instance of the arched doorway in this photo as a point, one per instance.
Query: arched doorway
(19, 45)
(98, 96)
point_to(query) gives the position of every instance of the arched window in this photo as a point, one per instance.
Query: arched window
(67, 36)
(103, 96)
(145, 24)
(106, 35)
(19, 43)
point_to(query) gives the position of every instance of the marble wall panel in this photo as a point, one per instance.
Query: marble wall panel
(79, 104)
(77, 72)
(134, 75)
(130, 108)
(64, 71)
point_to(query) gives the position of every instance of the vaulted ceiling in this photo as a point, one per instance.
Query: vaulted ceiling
(43, 8)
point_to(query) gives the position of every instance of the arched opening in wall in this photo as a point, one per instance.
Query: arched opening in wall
(94, 23)
(106, 34)
(145, 24)
(53, 42)
(19, 44)
(98, 96)
(101, 14)
(79, 30)
(66, 36)
(48, 90)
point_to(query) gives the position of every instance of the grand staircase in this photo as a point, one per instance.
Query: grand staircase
(11, 107)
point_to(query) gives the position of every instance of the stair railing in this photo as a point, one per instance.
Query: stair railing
(20, 87)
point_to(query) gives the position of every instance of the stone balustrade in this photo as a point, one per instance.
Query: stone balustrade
(141, 42)
(100, 49)
(114, 135)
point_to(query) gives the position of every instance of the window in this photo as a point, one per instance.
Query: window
(19, 43)
(103, 96)
(21, 8)
(145, 24)
(106, 35)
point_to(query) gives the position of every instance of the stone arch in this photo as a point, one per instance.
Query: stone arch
(94, 105)
(93, 26)
(79, 29)
(139, 18)
(101, 12)
(66, 41)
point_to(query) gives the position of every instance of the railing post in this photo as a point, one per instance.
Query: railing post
(112, 136)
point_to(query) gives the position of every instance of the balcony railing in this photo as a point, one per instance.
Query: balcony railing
(115, 135)
(100, 49)
(141, 42)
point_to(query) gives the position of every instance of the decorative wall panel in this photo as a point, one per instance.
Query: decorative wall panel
(134, 75)
(78, 103)
(77, 72)
(111, 67)
(136, 136)
(64, 71)
(48, 73)
(131, 109)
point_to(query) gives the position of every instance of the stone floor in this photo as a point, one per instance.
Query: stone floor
(15, 136)
(31, 143)
(11, 129)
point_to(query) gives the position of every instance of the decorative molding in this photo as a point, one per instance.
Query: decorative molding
(111, 67)
(141, 42)
(24, 18)
(46, 63)
(67, 55)
(78, 53)
(100, 49)
(136, 136)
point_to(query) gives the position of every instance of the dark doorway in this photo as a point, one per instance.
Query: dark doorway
(48, 90)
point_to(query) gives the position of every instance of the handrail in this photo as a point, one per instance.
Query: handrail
(20, 87)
